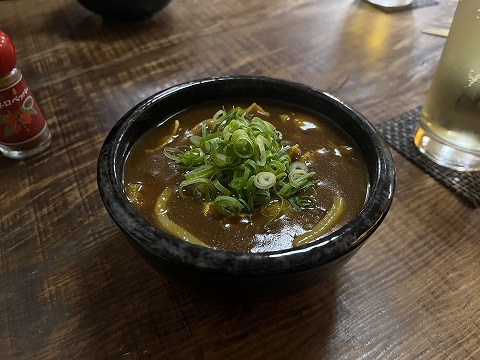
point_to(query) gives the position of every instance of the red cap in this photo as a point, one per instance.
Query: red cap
(8, 58)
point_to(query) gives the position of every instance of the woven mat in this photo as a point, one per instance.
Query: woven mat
(399, 134)
(415, 4)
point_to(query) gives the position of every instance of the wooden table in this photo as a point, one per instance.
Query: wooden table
(71, 286)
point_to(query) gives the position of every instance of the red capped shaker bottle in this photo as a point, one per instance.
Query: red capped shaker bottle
(23, 129)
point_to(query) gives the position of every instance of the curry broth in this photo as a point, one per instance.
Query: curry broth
(338, 163)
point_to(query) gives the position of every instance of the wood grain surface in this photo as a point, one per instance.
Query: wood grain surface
(71, 287)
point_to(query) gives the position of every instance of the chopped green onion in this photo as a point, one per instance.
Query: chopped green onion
(202, 171)
(221, 188)
(219, 116)
(195, 140)
(301, 202)
(200, 188)
(242, 144)
(265, 180)
(240, 177)
(276, 167)
(261, 157)
(297, 179)
(258, 199)
(298, 166)
(242, 163)
(228, 205)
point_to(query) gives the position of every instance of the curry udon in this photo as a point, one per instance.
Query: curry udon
(301, 175)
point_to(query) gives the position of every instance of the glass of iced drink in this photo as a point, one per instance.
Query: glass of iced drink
(449, 129)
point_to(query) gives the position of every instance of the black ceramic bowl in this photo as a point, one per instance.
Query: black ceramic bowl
(125, 10)
(215, 269)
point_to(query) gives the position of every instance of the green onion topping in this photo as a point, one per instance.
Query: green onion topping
(241, 163)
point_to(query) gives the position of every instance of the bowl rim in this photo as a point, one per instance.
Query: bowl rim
(172, 250)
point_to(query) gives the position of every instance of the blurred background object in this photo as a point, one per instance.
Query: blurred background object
(125, 10)
(391, 3)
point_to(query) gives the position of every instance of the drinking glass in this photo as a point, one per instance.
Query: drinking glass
(449, 128)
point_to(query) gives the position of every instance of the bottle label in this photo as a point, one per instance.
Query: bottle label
(20, 116)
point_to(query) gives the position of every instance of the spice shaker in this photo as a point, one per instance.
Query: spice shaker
(23, 129)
